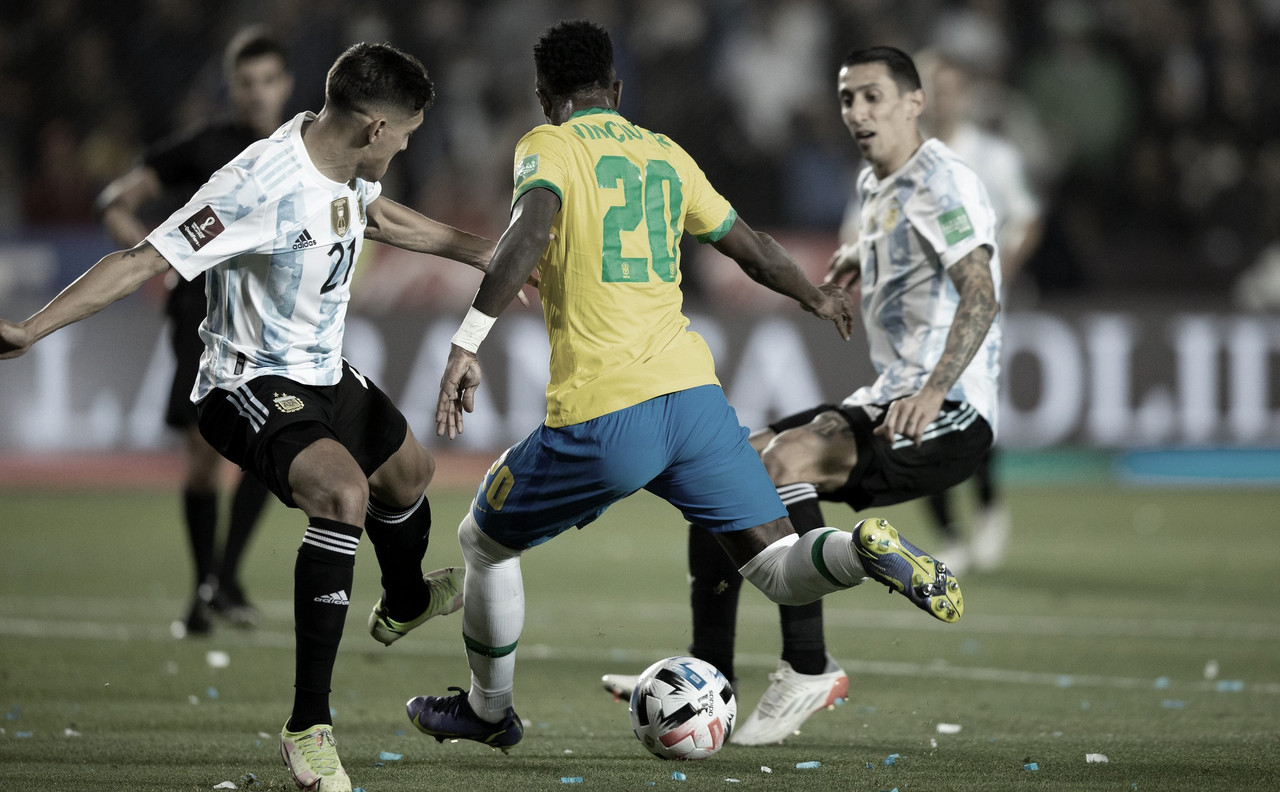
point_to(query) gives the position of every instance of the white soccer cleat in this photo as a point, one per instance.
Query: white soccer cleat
(620, 685)
(791, 698)
(990, 538)
(312, 758)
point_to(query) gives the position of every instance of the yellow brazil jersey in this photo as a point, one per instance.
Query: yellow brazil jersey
(610, 278)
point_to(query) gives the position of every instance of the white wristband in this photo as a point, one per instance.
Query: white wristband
(474, 328)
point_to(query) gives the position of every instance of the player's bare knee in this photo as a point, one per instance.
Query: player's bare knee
(787, 461)
(340, 498)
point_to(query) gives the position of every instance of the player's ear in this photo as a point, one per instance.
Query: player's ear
(376, 128)
(616, 90)
(915, 101)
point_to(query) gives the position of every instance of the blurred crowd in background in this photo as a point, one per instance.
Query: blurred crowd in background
(1149, 127)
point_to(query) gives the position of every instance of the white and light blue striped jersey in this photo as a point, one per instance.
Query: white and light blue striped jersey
(912, 226)
(278, 241)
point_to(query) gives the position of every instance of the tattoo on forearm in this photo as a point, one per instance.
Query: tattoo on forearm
(978, 308)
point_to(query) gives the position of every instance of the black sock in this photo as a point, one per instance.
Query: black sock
(713, 595)
(986, 480)
(399, 539)
(246, 508)
(940, 505)
(322, 579)
(803, 641)
(200, 510)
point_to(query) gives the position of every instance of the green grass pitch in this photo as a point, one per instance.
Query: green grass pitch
(1093, 638)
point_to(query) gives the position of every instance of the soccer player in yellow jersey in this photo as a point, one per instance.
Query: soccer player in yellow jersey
(633, 403)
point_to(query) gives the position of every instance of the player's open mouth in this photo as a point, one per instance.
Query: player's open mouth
(864, 135)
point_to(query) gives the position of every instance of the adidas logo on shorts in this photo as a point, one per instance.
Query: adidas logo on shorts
(336, 598)
(304, 240)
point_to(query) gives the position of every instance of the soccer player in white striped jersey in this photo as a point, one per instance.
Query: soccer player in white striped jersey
(927, 264)
(278, 231)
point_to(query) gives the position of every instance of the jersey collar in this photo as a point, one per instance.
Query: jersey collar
(594, 111)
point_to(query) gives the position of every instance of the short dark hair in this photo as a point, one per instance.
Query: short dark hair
(901, 68)
(252, 42)
(572, 56)
(369, 76)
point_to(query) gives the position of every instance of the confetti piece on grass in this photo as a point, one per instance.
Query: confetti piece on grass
(571, 779)
(1229, 686)
(1031, 766)
(949, 728)
(808, 765)
(765, 769)
(388, 756)
(891, 760)
(216, 658)
(225, 785)
(1095, 758)
(679, 776)
(1173, 704)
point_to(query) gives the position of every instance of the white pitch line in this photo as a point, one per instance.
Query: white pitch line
(899, 617)
(613, 657)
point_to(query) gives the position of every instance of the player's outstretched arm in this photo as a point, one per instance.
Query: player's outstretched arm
(398, 225)
(515, 257)
(768, 263)
(116, 275)
(975, 312)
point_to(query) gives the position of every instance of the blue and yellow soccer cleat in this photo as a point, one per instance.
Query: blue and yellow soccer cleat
(905, 568)
(451, 718)
(446, 597)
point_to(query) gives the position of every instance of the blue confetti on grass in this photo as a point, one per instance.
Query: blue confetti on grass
(388, 756)
(808, 765)
(679, 776)
(23, 735)
(571, 779)
(1066, 681)
(211, 692)
(891, 760)
(1161, 683)
(13, 713)
(1229, 686)
(1032, 766)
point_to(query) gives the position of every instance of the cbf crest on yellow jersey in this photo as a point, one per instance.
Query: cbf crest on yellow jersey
(610, 277)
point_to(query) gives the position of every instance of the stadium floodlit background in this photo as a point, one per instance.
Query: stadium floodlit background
(1142, 337)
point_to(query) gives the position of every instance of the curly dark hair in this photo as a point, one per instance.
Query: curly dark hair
(371, 76)
(901, 68)
(572, 56)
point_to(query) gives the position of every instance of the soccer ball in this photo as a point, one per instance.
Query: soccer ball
(682, 708)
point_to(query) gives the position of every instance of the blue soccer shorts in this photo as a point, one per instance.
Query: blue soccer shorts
(685, 447)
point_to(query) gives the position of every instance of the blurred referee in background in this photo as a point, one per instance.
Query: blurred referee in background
(258, 81)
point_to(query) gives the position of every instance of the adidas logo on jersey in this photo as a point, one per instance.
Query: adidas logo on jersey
(336, 598)
(304, 240)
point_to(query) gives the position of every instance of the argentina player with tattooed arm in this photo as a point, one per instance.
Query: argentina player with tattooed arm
(277, 232)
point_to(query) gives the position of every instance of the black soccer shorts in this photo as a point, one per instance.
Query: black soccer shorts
(894, 470)
(265, 423)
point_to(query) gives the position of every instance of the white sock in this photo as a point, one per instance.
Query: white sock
(492, 619)
(797, 570)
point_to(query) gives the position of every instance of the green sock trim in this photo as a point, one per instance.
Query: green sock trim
(821, 564)
(488, 651)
